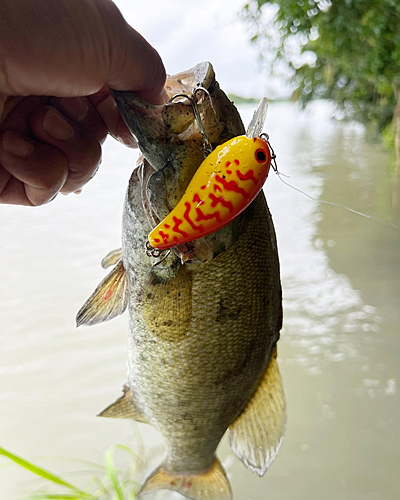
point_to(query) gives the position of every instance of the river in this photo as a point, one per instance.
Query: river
(339, 351)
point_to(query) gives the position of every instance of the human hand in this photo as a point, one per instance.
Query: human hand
(57, 60)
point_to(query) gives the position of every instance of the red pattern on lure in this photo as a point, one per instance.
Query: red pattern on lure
(236, 170)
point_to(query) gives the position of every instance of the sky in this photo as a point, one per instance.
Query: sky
(186, 32)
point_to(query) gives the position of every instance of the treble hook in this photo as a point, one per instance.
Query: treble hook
(151, 251)
(200, 87)
(207, 144)
(162, 260)
(155, 253)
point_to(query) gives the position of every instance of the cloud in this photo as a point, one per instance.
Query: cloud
(187, 32)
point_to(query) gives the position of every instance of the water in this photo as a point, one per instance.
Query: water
(339, 350)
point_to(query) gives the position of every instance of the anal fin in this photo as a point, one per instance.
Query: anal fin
(124, 407)
(108, 301)
(257, 434)
(209, 485)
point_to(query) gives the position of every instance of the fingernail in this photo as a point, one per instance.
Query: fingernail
(53, 198)
(77, 107)
(15, 144)
(56, 126)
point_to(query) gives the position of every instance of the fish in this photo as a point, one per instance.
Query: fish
(204, 317)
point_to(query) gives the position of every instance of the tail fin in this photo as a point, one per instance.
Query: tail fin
(210, 485)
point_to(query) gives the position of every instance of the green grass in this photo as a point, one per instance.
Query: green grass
(237, 99)
(243, 100)
(110, 483)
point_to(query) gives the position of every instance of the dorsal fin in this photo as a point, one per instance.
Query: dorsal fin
(108, 300)
(124, 407)
(256, 435)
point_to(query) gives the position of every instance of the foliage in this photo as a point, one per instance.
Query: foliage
(345, 50)
(237, 99)
(114, 483)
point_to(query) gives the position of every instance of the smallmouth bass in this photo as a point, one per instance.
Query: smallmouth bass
(205, 318)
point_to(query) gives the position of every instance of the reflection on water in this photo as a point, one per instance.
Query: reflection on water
(339, 350)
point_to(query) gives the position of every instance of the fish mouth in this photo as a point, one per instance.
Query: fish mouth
(173, 130)
(200, 75)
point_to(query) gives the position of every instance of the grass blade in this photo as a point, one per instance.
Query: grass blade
(38, 471)
(111, 471)
(78, 461)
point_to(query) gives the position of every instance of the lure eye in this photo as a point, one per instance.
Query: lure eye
(260, 155)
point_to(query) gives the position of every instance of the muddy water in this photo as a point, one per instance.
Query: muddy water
(339, 350)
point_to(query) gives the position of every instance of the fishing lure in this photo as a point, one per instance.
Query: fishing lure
(226, 182)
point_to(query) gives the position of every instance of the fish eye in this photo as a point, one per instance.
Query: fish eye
(260, 155)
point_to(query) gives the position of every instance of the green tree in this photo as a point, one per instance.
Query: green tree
(355, 49)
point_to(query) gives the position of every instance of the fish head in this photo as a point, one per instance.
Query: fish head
(171, 136)
(175, 138)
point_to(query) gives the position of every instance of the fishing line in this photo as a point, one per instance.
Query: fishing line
(279, 174)
(332, 203)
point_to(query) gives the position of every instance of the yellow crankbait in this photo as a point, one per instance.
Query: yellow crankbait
(224, 185)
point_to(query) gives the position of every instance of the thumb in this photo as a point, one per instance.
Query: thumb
(135, 65)
(68, 48)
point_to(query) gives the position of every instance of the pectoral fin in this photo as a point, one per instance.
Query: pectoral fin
(124, 407)
(256, 435)
(108, 300)
(111, 258)
(210, 485)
